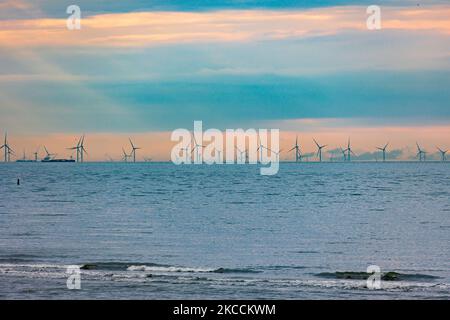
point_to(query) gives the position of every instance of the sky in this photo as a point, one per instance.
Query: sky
(143, 68)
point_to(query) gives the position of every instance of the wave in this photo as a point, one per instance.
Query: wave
(161, 268)
(156, 268)
(221, 277)
(123, 267)
(386, 276)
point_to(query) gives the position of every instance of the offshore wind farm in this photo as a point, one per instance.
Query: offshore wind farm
(296, 153)
(317, 166)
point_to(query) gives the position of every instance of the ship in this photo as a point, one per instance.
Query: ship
(49, 158)
(58, 160)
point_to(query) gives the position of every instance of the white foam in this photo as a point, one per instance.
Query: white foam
(167, 269)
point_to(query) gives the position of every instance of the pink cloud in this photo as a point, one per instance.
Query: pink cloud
(157, 28)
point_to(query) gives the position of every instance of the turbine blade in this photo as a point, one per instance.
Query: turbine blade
(318, 146)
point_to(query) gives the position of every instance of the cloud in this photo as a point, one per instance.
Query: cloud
(138, 29)
(20, 9)
(143, 71)
(377, 155)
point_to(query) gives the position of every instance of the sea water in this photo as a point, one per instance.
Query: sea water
(160, 231)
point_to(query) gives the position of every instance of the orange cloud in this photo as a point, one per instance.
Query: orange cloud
(156, 28)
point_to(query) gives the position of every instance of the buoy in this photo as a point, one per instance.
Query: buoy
(18, 181)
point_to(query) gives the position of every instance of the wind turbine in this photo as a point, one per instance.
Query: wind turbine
(298, 155)
(133, 151)
(383, 149)
(125, 155)
(319, 150)
(218, 153)
(8, 150)
(186, 153)
(196, 146)
(344, 154)
(421, 153)
(110, 159)
(260, 149)
(276, 153)
(242, 155)
(349, 151)
(24, 156)
(443, 153)
(82, 149)
(78, 148)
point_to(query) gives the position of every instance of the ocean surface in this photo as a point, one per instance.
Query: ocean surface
(160, 231)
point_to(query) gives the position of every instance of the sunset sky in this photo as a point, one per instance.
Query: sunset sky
(143, 68)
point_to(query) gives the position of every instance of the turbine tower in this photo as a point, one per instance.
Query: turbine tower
(36, 154)
(8, 150)
(298, 155)
(319, 150)
(421, 153)
(383, 149)
(133, 150)
(443, 154)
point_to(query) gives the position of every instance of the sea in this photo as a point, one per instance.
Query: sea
(161, 231)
